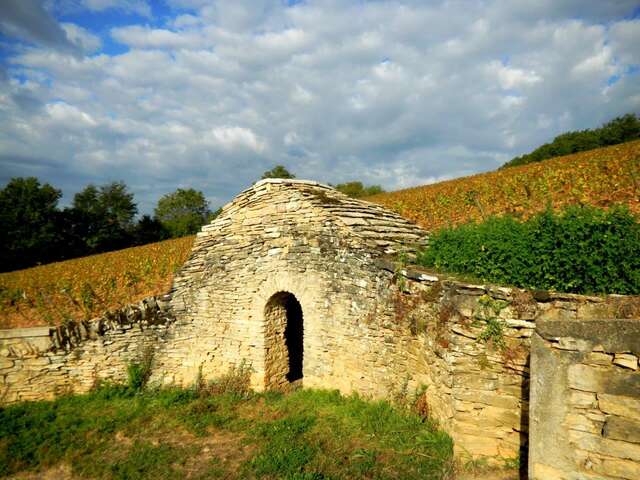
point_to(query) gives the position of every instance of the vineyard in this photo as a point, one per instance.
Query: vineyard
(88, 286)
(601, 178)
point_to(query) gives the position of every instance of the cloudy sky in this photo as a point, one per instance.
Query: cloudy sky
(210, 94)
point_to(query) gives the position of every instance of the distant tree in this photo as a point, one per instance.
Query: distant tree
(28, 213)
(183, 212)
(149, 230)
(279, 171)
(358, 190)
(111, 201)
(107, 214)
(213, 215)
(621, 129)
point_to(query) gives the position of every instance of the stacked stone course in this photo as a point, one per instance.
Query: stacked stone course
(586, 395)
(44, 362)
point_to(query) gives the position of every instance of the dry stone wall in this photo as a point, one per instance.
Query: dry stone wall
(586, 397)
(471, 346)
(44, 362)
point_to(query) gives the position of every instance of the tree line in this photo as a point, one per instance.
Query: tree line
(619, 130)
(35, 230)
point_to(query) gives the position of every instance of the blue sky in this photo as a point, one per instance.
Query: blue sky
(209, 94)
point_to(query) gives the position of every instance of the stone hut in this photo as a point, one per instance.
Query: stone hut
(287, 280)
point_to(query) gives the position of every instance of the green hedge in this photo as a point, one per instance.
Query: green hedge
(580, 250)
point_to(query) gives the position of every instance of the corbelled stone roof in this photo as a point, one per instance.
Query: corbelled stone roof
(374, 225)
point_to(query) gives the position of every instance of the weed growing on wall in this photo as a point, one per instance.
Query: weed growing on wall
(487, 317)
(579, 250)
(236, 382)
(139, 372)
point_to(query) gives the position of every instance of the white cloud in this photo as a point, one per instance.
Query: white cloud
(145, 37)
(391, 92)
(141, 7)
(231, 138)
(625, 37)
(510, 77)
(69, 116)
(81, 37)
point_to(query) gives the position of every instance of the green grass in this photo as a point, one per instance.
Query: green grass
(122, 433)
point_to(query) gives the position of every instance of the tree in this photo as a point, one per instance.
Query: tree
(357, 190)
(621, 129)
(27, 222)
(111, 202)
(106, 214)
(279, 171)
(149, 230)
(183, 212)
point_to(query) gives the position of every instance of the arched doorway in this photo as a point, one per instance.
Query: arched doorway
(283, 341)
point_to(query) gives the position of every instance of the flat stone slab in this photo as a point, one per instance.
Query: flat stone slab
(25, 332)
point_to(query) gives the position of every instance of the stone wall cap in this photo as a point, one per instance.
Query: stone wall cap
(25, 332)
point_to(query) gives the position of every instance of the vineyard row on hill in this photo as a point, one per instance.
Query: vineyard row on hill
(601, 178)
(88, 286)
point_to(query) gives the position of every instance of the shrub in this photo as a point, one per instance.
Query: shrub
(579, 250)
(236, 382)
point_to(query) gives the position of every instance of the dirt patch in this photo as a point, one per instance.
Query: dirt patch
(490, 475)
(59, 472)
(258, 410)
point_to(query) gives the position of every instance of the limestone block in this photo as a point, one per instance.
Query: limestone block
(583, 423)
(575, 344)
(626, 360)
(540, 471)
(591, 379)
(621, 428)
(491, 417)
(605, 446)
(36, 362)
(551, 312)
(5, 363)
(590, 311)
(620, 405)
(599, 358)
(617, 468)
(492, 398)
(476, 446)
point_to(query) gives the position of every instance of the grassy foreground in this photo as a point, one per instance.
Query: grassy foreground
(119, 433)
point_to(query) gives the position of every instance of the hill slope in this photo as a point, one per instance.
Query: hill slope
(601, 177)
(86, 287)
(619, 130)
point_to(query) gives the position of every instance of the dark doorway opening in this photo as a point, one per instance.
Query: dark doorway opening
(293, 337)
(283, 330)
